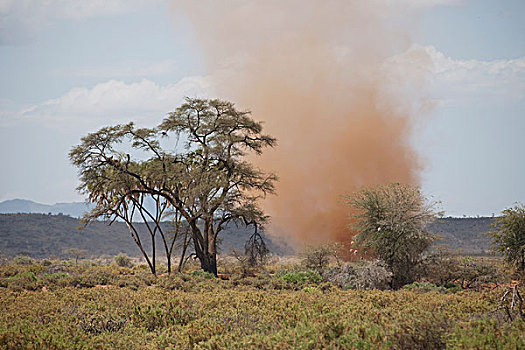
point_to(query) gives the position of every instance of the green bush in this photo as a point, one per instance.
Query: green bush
(318, 258)
(123, 260)
(23, 260)
(24, 280)
(93, 277)
(132, 282)
(57, 279)
(46, 262)
(301, 277)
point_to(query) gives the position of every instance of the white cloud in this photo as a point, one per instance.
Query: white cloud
(122, 70)
(144, 102)
(475, 77)
(457, 82)
(21, 19)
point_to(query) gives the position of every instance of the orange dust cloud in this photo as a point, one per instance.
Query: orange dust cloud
(315, 72)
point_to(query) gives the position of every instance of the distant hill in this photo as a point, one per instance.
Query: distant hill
(44, 235)
(466, 234)
(30, 232)
(75, 209)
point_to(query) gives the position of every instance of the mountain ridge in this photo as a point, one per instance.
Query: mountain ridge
(17, 205)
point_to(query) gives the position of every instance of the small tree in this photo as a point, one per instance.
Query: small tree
(123, 260)
(255, 253)
(392, 225)
(77, 253)
(509, 236)
(318, 258)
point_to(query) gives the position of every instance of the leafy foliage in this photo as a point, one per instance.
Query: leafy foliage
(318, 258)
(392, 224)
(123, 260)
(509, 236)
(23, 260)
(206, 186)
(301, 277)
(443, 268)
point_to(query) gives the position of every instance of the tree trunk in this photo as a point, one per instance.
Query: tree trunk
(213, 264)
(212, 253)
(153, 257)
(136, 238)
(184, 247)
(209, 263)
(207, 252)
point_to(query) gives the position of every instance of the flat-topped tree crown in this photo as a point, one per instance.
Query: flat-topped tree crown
(207, 185)
(216, 127)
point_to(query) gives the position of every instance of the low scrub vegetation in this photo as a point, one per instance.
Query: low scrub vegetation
(62, 305)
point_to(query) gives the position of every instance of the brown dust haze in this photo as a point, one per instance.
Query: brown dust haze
(314, 72)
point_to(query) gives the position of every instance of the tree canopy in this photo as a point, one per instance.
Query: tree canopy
(392, 225)
(509, 236)
(205, 186)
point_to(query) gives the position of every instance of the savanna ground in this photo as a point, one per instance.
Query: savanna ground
(53, 304)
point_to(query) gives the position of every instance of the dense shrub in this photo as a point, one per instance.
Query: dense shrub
(302, 277)
(135, 310)
(360, 275)
(23, 260)
(473, 272)
(123, 260)
(56, 280)
(25, 280)
(425, 333)
(170, 283)
(392, 224)
(466, 271)
(248, 317)
(93, 277)
(318, 258)
(508, 236)
(46, 262)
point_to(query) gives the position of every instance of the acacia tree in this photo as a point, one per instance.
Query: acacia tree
(392, 224)
(77, 253)
(207, 185)
(509, 236)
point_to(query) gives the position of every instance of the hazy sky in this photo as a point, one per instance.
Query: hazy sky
(69, 67)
